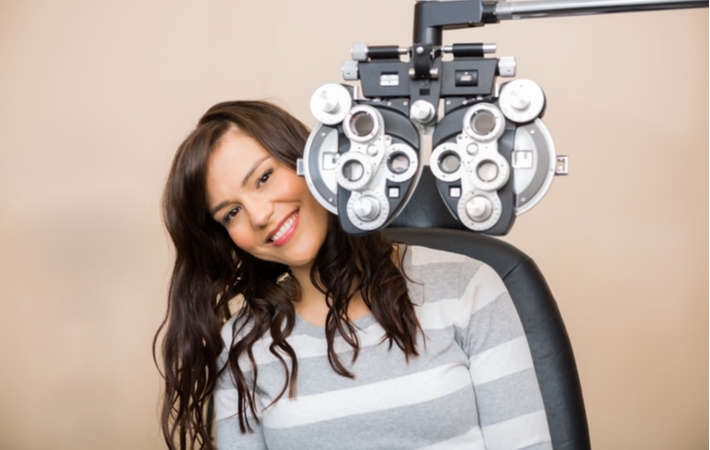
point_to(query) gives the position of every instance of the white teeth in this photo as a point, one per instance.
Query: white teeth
(284, 228)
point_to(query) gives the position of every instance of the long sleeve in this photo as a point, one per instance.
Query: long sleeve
(228, 436)
(508, 398)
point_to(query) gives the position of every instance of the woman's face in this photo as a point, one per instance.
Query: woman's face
(266, 208)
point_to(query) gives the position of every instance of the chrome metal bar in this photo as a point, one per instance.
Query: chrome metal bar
(551, 8)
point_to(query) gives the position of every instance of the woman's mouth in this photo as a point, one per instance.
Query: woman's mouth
(285, 231)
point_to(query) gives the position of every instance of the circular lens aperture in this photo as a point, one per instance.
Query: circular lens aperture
(398, 163)
(362, 124)
(449, 162)
(483, 122)
(353, 170)
(487, 170)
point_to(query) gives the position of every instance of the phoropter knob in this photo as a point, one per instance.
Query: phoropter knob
(479, 208)
(366, 208)
(330, 103)
(422, 111)
(521, 100)
(351, 71)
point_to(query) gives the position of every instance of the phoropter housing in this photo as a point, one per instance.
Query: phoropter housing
(492, 156)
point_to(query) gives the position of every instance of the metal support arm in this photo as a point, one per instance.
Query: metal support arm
(431, 17)
(550, 8)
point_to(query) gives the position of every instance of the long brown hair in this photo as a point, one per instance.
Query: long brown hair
(210, 270)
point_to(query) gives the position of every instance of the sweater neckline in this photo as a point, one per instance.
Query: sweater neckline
(305, 327)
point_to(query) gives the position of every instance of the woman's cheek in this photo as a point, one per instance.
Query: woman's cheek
(240, 238)
(292, 188)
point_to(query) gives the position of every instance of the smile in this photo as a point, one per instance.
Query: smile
(285, 231)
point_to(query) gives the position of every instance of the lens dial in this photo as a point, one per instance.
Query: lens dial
(402, 162)
(483, 122)
(353, 170)
(368, 210)
(445, 162)
(479, 210)
(489, 171)
(363, 124)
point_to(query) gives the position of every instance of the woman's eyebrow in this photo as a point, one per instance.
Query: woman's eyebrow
(214, 210)
(253, 169)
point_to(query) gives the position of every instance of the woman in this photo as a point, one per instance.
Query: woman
(336, 341)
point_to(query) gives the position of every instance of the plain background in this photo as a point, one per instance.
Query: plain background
(96, 96)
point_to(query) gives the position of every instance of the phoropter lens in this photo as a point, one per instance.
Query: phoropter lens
(362, 124)
(487, 170)
(483, 122)
(398, 163)
(449, 162)
(353, 170)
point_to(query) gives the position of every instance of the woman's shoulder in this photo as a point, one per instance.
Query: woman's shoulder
(428, 260)
(235, 328)
(436, 274)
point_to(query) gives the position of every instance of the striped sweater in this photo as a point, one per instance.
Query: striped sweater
(473, 386)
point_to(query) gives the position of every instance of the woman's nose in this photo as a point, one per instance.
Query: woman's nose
(260, 212)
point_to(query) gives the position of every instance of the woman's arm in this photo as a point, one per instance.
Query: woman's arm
(508, 398)
(229, 437)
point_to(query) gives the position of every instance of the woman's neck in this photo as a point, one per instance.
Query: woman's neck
(311, 305)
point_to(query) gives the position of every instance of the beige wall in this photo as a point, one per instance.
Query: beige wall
(95, 97)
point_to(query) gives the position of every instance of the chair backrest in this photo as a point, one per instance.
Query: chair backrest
(426, 221)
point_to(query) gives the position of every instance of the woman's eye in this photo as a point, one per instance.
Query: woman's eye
(265, 177)
(231, 214)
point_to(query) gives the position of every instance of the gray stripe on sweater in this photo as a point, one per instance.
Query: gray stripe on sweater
(316, 374)
(228, 436)
(496, 396)
(448, 280)
(391, 429)
(494, 332)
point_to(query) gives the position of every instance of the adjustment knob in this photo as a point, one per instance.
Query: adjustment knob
(518, 100)
(422, 111)
(506, 66)
(479, 208)
(359, 51)
(521, 100)
(326, 101)
(351, 72)
(330, 103)
(366, 208)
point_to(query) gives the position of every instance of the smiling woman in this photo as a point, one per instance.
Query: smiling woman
(375, 344)
(263, 204)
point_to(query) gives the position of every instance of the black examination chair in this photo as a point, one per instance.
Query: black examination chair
(426, 222)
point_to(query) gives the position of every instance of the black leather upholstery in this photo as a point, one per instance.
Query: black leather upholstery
(549, 343)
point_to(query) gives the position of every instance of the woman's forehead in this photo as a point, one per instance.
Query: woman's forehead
(238, 148)
(231, 164)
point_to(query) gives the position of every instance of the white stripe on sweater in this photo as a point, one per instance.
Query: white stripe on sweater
(520, 432)
(501, 361)
(431, 256)
(397, 392)
(458, 311)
